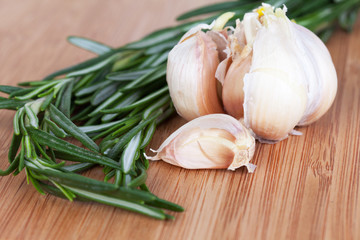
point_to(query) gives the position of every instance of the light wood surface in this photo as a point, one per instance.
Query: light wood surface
(305, 187)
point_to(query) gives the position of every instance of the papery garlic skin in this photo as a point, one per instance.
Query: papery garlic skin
(214, 141)
(191, 76)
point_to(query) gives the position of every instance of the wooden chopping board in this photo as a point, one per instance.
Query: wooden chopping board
(305, 187)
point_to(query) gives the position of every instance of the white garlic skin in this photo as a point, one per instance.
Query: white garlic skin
(191, 76)
(215, 141)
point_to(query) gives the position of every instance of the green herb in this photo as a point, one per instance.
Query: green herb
(120, 97)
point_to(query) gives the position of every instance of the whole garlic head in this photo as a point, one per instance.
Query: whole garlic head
(281, 74)
(276, 74)
(212, 141)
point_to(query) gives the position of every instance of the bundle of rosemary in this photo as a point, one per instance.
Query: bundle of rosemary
(112, 104)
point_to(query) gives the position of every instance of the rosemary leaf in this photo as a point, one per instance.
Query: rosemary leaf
(72, 179)
(92, 88)
(58, 132)
(83, 65)
(139, 180)
(93, 68)
(14, 147)
(160, 203)
(83, 113)
(34, 121)
(123, 102)
(144, 101)
(36, 91)
(114, 152)
(128, 205)
(47, 101)
(13, 165)
(128, 75)
(69, 127)
(100, 127)
(22, 155)
(102, 94)
(16, 121)
(161, 58)
(109, 175)
(115, 97)
(9, 89)
(129, 153)
(77, 167)
(160, 47)
(90, 45)
(34, 182)
(155, 38)
(65, 102)
(11, 104)
(82, 101)
(20, 92)
(68, 194)
(148, 134)
(79, 154)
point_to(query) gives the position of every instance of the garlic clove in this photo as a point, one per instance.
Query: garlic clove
(322, 85)
(191, 69)
(209, 142)
(232, 70)
(222, 69)
(191, 76)
(275, 87)
(273, 105)
(233, 94)
(251, 25)
(220, 39)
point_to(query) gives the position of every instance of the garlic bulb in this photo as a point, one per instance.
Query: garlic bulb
(211, 141)
(191, 68)
(281, 75)
(276, 74)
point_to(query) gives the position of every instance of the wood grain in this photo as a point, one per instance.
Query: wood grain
(304, 187)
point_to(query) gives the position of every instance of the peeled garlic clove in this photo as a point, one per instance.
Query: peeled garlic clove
(191, 76)
(211, 141)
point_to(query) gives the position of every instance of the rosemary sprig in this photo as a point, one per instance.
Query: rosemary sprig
(118, 98)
